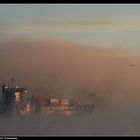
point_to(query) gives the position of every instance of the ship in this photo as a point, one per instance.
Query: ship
(20, 100)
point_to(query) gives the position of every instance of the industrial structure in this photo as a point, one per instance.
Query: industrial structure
(18, 99)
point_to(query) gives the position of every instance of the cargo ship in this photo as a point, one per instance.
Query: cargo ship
(18, 99)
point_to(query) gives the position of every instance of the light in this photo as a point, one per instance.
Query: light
(6, 87)
(26, 91)
(17, 94)
(16, 86)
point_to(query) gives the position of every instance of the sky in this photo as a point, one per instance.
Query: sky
(100, 24)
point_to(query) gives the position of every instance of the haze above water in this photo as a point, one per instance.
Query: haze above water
(59, 68)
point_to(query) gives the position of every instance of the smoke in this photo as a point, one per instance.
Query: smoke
(60, 68)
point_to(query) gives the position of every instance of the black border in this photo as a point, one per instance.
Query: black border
(62, 137)
(69, 2)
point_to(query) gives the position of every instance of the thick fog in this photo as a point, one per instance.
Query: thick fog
(58, 68)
